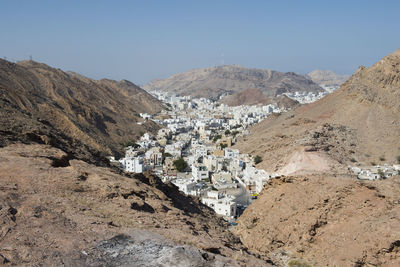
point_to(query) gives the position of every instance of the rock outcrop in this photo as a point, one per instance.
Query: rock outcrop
(255, 96)
(360, 122)
(321, 215)
(325, 221)
(327, 77)
(59, 211)
(82, 116)
(231, 79)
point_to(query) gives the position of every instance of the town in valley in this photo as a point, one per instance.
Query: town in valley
(194, 150)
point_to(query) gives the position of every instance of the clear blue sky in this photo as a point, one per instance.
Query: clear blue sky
(144, 40)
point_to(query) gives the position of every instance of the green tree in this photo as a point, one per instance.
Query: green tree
(130, 143)
(257, 159)
(180, 164)
(217, 137)
(398, 159)
(167, 155)
(227, 132)
(223, 146)
(381, 174)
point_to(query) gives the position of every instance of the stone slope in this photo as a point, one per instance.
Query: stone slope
(43, 104)
(360, 121)
(327, 77)
(255, 96)
(56, 211)
(230, 79)
(325, 221)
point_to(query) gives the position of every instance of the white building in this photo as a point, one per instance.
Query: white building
(135, 164)
(175, 151)
(221, 204)
(255, 178)
(187, 186)
(199, 172)
(231, 153)
(154, 157)
(200, 151)
(368, 175)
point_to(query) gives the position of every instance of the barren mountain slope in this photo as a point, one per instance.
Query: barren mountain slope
(360, 121)
(327, 77)
(213, 82)
(325, 221)
(55, 211)
(255, 96)
(47, 105)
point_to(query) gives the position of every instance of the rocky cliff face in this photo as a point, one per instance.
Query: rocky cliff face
(213, 82)
(360, 121)
(81, 115)
(327, 77)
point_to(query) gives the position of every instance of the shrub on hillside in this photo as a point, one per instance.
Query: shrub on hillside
(257, 159)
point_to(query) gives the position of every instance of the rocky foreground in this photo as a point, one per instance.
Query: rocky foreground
(325, 221)
(56, 211)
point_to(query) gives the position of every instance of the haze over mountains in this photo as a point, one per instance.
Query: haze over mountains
(44, 104)
(230, 79)
(327, 77)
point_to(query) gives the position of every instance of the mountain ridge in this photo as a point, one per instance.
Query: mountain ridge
(229, 79)
(365, 111)
(327, 77)
(46, 101)
(318, 213)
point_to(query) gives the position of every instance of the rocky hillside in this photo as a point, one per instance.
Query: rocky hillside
(325, 221)
(360, 122)
(255, 96)
(55, 211)
(82, 116)
(327, 77)
(230, 79)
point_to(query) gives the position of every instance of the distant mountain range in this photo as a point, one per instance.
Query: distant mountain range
(80, 115)
(231, 79)
(327, 77)
(255, 96)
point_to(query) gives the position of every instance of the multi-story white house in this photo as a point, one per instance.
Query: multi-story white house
(199, 172)
(135, 164)
(231, 153)
(153, 157)
(175, 151)
(200, 151)
(187, 186)
(222, 204)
